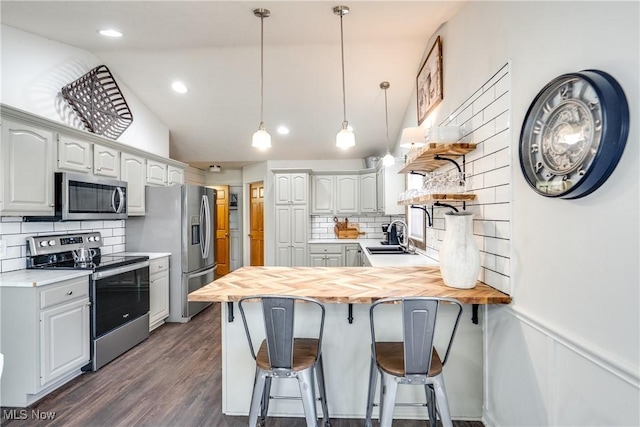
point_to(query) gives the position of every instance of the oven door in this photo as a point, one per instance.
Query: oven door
(119, 296)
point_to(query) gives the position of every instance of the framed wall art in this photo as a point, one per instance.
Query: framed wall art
(429, 82)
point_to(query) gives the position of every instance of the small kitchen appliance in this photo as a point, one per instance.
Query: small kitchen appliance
(390, 235)
(118, 290)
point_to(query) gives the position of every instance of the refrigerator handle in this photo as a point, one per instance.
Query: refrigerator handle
(205, 224)
(202, 226)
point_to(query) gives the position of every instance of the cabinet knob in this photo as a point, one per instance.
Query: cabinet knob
(99, 169)
(88, 167)
(89, 304)
(70, 292)
(52, 205)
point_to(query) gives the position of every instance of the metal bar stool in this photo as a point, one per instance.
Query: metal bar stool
(414, 361)
(281, 355)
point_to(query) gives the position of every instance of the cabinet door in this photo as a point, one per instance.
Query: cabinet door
(158, 298)
(334, 260)
(64, 339)
(298, 256)
(380, 190)
(317, 261)
(347, 194)
(299, 225)
(352, 256)
(282, 187)
(368, 190)
(74, 154)
(156, 173)
(283, 256)
(133, 172)
(26, 178)
(106, 161)
(299, 188)
(322, 193)
(175, 176)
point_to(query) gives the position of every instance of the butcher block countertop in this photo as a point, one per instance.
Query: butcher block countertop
(342, 285)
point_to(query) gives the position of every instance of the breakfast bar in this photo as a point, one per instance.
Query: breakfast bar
(346, 345)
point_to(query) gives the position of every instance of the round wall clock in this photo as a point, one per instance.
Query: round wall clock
(573, 134)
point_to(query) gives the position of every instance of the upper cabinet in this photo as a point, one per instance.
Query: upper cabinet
(134, 173)
(106, 161)
(291, 188)
(322, 194)
(26, 180)
(368, 196)
(175, 176)
(347, 194)
(340, 194)
(389, 183)
(74, 154)
(156, 173)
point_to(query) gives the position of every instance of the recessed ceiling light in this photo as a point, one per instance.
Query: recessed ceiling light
(179, 87)
(110, 33)
(283, 130)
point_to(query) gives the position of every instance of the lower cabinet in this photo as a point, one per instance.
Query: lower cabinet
(352, 255)
(158, 291)
(45, 338)
(326, 255)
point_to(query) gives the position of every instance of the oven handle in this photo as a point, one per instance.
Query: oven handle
(112, 272)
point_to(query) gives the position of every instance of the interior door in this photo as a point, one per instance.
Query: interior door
(256, 220)
(222, 229)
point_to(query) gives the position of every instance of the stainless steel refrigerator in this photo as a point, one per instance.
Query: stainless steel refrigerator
(179, 219)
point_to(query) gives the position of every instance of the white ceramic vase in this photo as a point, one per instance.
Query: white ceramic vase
(459, 253)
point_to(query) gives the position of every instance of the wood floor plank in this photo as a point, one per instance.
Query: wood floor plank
(174, 378)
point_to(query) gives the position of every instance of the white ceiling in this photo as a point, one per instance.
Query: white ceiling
(214, 47)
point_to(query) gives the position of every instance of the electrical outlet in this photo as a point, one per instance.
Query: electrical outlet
(3, 248)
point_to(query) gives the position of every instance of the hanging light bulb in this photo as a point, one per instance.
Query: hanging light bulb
(261, 138)
(345, 137)
(388, 159)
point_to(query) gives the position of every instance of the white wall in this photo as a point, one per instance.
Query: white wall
(34, 70)
(566, 351)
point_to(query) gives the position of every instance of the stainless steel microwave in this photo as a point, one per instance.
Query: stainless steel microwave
(80, 197)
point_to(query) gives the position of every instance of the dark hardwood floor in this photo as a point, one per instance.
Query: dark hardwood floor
(171, 379)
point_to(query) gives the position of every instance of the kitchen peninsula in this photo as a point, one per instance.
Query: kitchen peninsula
(345, 345)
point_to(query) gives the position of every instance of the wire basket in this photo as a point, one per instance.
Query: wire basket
(99, 103)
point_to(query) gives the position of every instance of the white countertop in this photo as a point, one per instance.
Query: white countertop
(33, 278)
(395, 260)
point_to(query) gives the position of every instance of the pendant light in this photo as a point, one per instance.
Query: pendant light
(388, 159)
(261, 138)
(345, 138)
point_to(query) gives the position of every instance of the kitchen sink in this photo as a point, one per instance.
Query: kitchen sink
(387, 250)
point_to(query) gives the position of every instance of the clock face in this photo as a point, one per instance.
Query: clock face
(574, 134)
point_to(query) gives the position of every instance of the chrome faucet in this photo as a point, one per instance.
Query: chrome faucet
(405, 242)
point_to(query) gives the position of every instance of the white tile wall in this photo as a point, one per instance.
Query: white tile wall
(14, 233)
(371, 224)
(484, 118)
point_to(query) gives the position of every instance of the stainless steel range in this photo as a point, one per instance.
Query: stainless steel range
(119, 290)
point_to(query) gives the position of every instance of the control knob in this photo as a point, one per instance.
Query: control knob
(52, 242)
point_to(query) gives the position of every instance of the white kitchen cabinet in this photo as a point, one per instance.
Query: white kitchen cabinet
(291, 188)
(156, 173)
(329, 255)
(45, 338)
(132, 169)
(74, 154)
(26, 180)
(347, 194)
(158, 292)
(390, 183)
(352, 255)
(106, 161)
(322, 194)
(292, 224)
(175, 176)
(368, 193)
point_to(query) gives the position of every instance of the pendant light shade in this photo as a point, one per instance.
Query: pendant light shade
(345, 137)
(388, 159)
(261, 138)
(412, 137)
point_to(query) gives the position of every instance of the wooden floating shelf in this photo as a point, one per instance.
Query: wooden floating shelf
(424, 160)
(438, 197)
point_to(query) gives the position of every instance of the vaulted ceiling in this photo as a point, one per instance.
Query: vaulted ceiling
(214, 48)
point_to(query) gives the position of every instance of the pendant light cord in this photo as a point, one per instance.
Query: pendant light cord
(344, 96)
(261, 71)
(386, 117)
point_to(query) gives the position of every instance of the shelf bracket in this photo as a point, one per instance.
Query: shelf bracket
(441, 157)
(474, 313)
(444, 205)
(350, 313)
(430, 222)
(417, 173)
(230, 311)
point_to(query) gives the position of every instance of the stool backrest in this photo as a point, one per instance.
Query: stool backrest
(419, 317)
(278, 312)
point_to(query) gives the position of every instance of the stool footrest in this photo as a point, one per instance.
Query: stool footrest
(290, 398)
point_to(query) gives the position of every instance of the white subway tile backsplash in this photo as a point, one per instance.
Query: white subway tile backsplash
(67, 226)
(503, 229)
(502, 72)
(322, 227)
(503, 158)
(502, 122)
(92, 225)
(11, 219)
(484, 164)
(497, 246)
(485, 131)
(37, 227)
(10, 228)
(503, 265)
(497, 212)
(496, 108)
(485, 195)
(497, 280)
(13, 264)
(497, 142)
(503, 193)
(497, 177)
(484, 100)
(488, 260)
